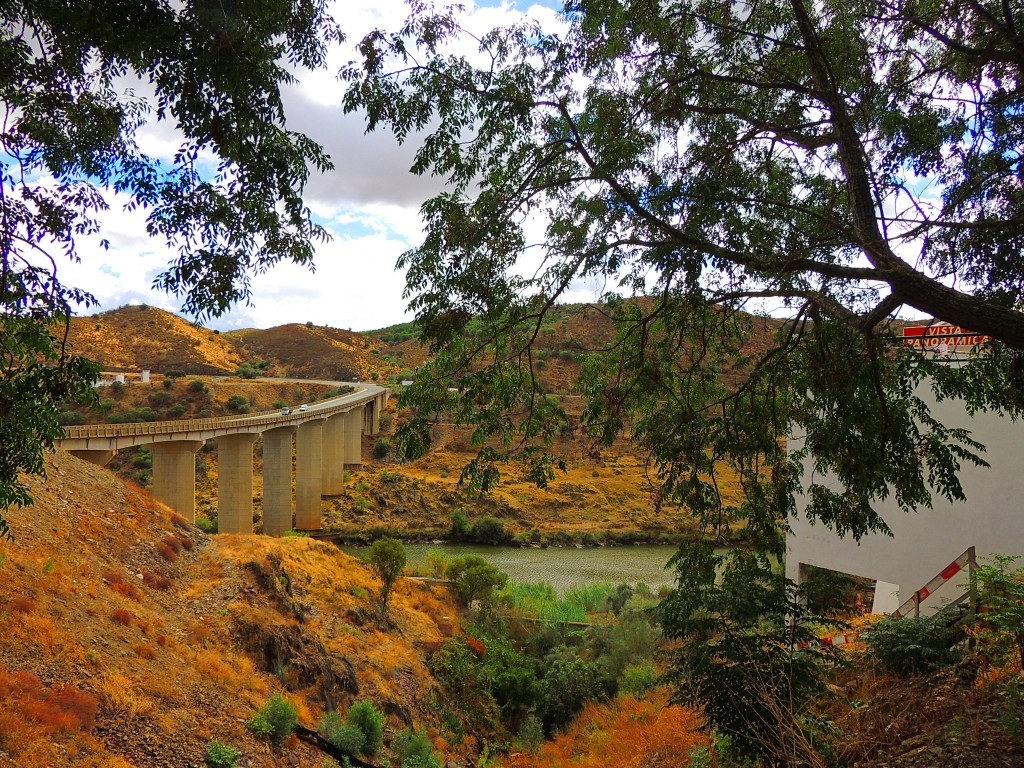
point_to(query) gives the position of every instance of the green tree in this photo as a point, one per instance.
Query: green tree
(474, 578)
(833, 163)
(387, 559)
(69, 139)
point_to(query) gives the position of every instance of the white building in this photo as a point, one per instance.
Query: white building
(926, 542)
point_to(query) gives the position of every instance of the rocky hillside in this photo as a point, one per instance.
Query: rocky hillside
(132, 338)
(132, 639)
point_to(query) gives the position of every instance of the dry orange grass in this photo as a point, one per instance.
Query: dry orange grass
(625, 733)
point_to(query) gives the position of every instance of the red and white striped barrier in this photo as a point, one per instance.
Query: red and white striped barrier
(947, 573)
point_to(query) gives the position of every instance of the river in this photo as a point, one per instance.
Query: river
(561, 566)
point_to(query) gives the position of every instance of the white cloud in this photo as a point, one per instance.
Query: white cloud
(370, 201)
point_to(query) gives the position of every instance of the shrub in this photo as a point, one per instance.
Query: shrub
(460, 523)
(474, 578)
(490, 530)
(387, 559)
(345, 736)
(912, 646)
(168, 383)
(422, 761)
(161, 399)
(385, 420)
(206, 524)
(71, 419)
(275, 720)
(247, 371)
(531, 734)
(1002, 591)
(381, 448)
(368, 719)
(176, 411)
(198, 386)
(279, 403)
(143, 459)
(238, 403)
(220, 755)
(411, 743)
(637, 679)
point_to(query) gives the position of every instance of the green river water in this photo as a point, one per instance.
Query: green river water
(562, 566)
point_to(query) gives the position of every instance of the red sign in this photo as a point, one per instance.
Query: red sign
(938, 335)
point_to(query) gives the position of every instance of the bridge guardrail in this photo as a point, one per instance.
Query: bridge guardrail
(214, 422)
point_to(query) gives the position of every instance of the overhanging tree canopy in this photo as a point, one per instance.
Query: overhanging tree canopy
(229, 204)
(835, 160)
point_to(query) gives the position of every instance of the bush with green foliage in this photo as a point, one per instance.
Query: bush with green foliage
(569, 682)
(490, 530)
(206, 524)
(381, 448)
(387, 558)
(161, 399)
(238, 403)
(143, 458)
(198, 386)
(71, 418)
(456, 667)
(411, 742)
(531, 735)
(275, 720)
(221, 755)
(424, 761)
(638, 679)
(736, 629)
(474, 578)
(1001, 590)
(346, 736)
(913, 646)
(370, 722)
(460, 524)
(247, 371)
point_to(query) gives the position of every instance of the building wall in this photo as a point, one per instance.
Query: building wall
(925, 542)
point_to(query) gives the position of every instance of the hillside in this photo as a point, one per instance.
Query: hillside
(133, 338)
(132, 639)
(314, 352)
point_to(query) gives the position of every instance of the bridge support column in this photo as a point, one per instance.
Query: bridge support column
(353, 438)
(174, 475)
(334, 456)
(277, 480)
(308, 474)
(234, 494)
(100, 458)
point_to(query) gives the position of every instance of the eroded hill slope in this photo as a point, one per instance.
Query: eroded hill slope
(132, 639)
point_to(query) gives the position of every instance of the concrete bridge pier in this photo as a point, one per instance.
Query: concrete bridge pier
(333, 456)
(353, 438)
(308, 471)
(174, 475)
(234, 494)
(277, 480)
(100, 458)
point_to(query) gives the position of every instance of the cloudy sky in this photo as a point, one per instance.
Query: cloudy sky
(369, 203)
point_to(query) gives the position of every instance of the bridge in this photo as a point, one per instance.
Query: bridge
(327, 440)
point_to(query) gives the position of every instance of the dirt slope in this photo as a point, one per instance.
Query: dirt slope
(133, 338)
(131, 639)
(313, 352)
